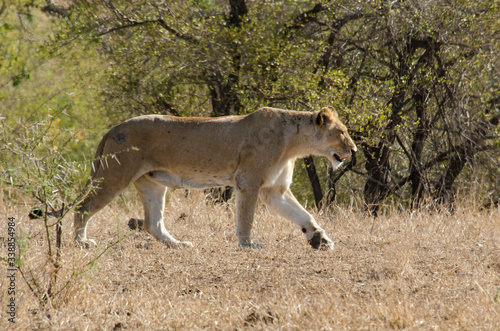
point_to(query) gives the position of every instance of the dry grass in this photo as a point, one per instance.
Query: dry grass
(399, 271)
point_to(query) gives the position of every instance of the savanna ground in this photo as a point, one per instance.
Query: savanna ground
(426, 270)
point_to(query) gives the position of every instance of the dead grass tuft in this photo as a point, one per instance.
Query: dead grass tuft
(400, 271)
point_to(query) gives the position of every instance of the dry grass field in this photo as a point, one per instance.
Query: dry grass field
(429, 270)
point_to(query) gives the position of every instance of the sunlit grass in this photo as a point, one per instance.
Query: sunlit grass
(402, 270)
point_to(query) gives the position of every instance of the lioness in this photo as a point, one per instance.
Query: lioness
(254, 153)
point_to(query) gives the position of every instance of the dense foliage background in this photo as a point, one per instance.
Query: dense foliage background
(415, 81)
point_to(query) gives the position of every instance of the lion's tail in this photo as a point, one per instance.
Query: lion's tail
(38, 212)
(96, 164)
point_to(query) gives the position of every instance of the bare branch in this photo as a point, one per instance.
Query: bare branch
(131, 22)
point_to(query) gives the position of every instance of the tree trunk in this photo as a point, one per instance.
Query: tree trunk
(379, 177)
(313, 177)
(225, 99)
(416, 176)
(444, 194)
(239, 10)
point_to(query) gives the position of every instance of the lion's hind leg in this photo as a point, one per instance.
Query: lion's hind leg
(80, 224)
(96, 201)
(153, 199)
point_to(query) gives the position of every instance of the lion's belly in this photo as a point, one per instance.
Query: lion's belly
(189, 181)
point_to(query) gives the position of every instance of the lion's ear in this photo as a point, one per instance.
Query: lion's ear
(325, 116)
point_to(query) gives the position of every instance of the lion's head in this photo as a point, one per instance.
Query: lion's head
(335, 142)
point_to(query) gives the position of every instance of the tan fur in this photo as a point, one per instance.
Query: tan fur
(253, 153)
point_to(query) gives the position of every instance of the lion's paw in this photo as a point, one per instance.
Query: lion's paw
(87, 243)
(178, 244)
(252, 245)
(186, 244)
(321, 241)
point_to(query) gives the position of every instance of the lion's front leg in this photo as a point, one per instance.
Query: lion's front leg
(283, 202)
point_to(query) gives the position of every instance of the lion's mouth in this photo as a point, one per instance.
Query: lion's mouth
(340, 159)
